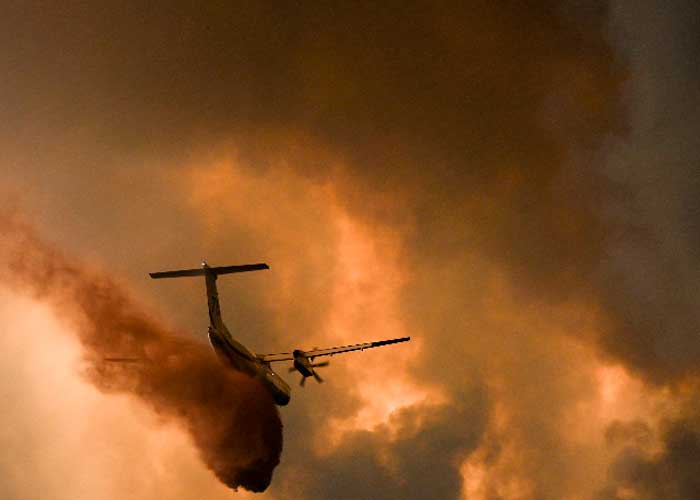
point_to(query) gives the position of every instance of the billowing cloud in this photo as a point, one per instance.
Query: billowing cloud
(230, 416)
(512, 185)
(649, 271)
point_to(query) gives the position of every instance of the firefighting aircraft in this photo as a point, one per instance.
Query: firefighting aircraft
(236, 355)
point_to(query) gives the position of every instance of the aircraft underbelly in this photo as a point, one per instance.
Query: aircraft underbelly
(277, 387)
(230, 356)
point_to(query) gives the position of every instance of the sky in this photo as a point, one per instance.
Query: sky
(514, 186)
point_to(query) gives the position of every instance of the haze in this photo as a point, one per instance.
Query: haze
(515, 187)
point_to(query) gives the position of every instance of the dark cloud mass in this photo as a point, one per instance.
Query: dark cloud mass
(416, 456)
(649, 271)
(525, 174)
(670, 473)
(231, 418)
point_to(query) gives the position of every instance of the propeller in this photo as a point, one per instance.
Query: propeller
(318, 365)
(311, 368)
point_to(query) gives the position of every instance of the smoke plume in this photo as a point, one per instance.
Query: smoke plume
(230, 417)
(515, 185)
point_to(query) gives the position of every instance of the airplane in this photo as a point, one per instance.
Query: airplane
(238, 357)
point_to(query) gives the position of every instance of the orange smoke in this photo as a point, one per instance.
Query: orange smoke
(362, 270)
(230, 417)
(366, 306)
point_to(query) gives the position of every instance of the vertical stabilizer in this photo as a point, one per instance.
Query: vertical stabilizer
(215, 318)
(210, 274)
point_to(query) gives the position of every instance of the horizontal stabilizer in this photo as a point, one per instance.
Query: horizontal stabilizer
(204, 270)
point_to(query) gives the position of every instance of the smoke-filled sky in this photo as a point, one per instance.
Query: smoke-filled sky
(516, 187)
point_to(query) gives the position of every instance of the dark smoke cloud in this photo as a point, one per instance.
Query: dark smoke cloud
(650, 270)
(231, 418)
(651, 267)
(418, 454)
(550, 144)
(451, 123)
(670, 473)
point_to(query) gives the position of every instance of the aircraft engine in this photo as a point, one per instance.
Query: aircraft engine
(305, 365)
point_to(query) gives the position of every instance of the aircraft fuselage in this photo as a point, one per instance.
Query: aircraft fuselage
(235, 355)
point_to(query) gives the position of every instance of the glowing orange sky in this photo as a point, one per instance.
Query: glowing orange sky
(514, 186)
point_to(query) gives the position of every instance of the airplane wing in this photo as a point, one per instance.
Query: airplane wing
(289, 356)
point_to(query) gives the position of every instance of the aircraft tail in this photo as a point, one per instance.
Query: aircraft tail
(206, 270)
(210, 274)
